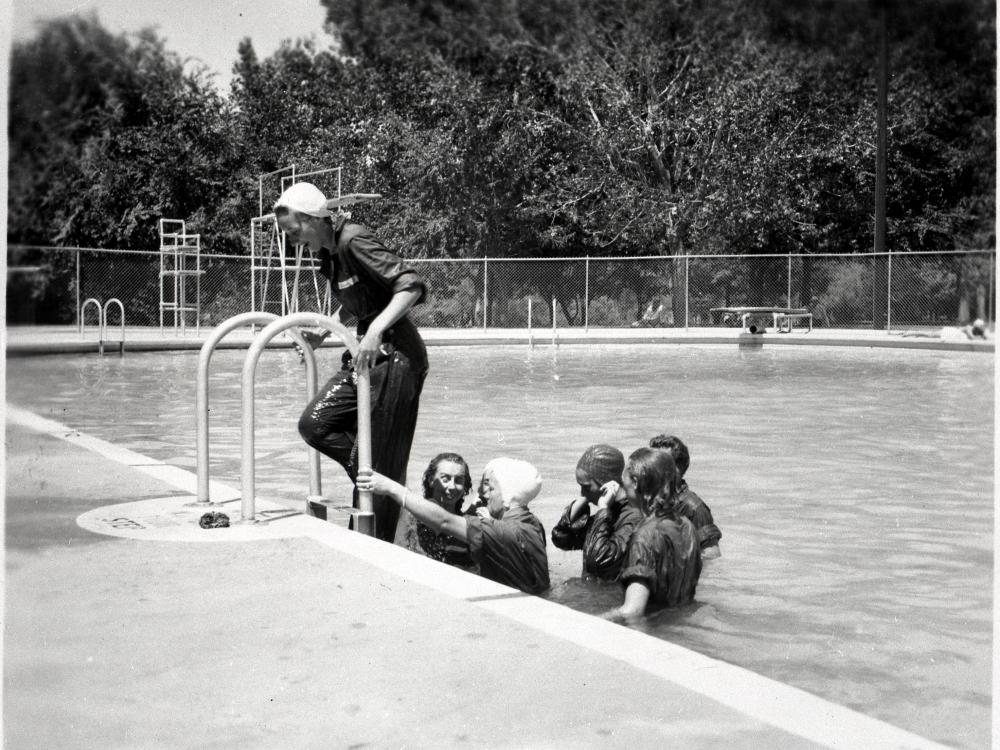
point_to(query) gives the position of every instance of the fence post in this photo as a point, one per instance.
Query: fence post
(554, 334)
(531, 342)
(586, 294)
(79, 317)
(990, 307)
(789, 280)
(687, 291)
(486, 305)
(888, 295)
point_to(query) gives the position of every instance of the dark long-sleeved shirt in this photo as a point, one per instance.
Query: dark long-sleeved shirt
(603, 537)
(665, 557)
(511, 550)
(364, 276)
(691, 506)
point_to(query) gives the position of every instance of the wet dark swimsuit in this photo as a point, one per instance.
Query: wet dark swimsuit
(443, 547)
(603, 537)
(364, 276)
(664, 556)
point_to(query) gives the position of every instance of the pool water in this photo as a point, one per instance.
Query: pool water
(853, 487)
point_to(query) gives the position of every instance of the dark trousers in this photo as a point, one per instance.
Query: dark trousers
(330, 425)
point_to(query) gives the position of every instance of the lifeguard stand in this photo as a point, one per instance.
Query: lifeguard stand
(180, 264)
(286, 280)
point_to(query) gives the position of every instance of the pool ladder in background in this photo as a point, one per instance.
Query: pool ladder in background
(364, 517)
(555, 331)
(102, 322)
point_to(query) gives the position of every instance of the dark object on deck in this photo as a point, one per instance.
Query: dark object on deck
(214, 521)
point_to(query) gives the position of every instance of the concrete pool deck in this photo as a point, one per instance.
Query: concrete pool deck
(32, 340)
(297, 633)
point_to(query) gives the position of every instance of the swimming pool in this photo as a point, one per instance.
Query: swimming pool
(853, 487)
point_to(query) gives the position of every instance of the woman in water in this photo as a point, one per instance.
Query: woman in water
(663, 561)
(447, 482)
(378, 288)
(505, 539)
(602, 534)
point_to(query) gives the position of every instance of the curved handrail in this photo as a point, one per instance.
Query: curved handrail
(201, 398)
(121, 315)
(83, 314)
(313, 320)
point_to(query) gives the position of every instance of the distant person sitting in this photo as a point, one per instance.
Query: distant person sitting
(604, 532)
(821, 316)
(977, 330)
(505, 538)
(663, 561)
(689, 504)
(651, 317)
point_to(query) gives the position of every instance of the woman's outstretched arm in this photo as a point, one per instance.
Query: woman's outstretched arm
(424, 510)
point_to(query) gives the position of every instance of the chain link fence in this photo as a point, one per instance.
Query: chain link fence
(48, 286)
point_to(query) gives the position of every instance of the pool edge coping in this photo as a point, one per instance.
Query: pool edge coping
(143, 340)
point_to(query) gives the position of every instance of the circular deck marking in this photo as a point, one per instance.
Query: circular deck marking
(175, 519)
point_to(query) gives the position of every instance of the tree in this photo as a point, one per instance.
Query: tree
(109, 134)
(551, 128)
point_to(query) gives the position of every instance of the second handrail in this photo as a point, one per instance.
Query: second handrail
(313, 320)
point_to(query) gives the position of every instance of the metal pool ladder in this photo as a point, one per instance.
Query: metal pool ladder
(102, 322)
(364, 516)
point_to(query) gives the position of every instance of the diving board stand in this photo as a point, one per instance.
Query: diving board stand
(285, 280)
(782, 318)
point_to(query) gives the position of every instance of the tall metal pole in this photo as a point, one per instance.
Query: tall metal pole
(789, 280)
(554, 334)
(881, 127)
(586, 294)
(79, 316)
(990, 307)
(485, 297)
(687, 291)
(888, 294)
(531, 342)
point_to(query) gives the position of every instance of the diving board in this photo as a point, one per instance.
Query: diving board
(782, 318)
(349, 199)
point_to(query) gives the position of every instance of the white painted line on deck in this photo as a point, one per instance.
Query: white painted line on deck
(787, 708)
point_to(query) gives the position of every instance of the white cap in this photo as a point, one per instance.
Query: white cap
(305, 198)
(518, 480)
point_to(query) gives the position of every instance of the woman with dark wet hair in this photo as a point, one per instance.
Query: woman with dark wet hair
(663, 561)
(604, 532)
(506, 540)
(447, 482)
(688, 502)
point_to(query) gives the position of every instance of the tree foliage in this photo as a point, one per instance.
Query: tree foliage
(109, 134)
(546, 129)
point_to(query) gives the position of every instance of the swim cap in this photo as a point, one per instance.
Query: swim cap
(517, 480)
(305, 198)
(602, 463)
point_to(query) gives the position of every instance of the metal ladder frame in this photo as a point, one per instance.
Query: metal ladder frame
(273, 325)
